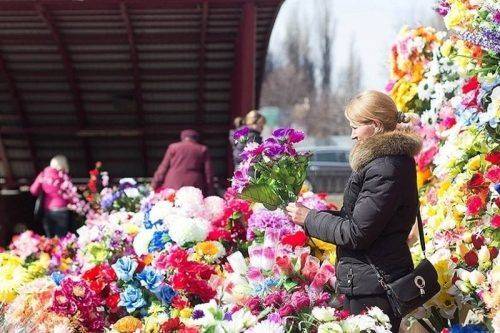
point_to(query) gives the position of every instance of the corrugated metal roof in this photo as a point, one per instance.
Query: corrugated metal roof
(116, 81)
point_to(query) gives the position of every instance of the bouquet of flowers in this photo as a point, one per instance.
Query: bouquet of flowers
(271, 173)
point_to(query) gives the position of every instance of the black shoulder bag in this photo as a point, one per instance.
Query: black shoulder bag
(38, 210)
(413, 290)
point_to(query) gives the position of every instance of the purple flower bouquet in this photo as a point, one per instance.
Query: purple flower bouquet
(273, 172)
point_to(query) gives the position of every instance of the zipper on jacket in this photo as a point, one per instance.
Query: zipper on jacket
(350, 278)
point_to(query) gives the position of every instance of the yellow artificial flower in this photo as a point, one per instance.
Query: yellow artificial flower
(151, 325)
(446, 48)
(474, 163)
(443, 188)
(402, 93)
(128, 324)
(130, 229)
(186, 313)
(423, 177)
(458, 15)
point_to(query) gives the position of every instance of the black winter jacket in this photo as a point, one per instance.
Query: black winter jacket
(379, 210)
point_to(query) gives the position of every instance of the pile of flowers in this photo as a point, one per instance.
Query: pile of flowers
(176, 261)
(450, 81)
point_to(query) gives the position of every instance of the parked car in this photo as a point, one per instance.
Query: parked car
(329, 168)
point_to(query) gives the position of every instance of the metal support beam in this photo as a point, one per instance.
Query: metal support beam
(18, 107)
(134, 59)
(243, 90)
(201, 63)
(70, 76)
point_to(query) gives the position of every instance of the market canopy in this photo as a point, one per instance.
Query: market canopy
(116, 81)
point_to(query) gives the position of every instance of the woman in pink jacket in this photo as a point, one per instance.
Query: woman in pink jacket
(53, 182)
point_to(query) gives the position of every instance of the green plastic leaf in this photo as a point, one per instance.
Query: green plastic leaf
(262, 193)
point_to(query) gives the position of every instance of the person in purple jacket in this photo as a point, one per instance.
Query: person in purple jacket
(185, 163)
(56, 216)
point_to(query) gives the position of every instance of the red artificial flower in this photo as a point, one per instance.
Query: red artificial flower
(189, 330)
(177, 258)
(471, 258)
(179, 302)
(448, 122)
(476, 181)
(493, 157)
(495, 221)
(470, 85)
(99, 277)
(477, 241)
(297, 239)
(171, 325)
(342, 314)
(219, 235)
(493, 252)
(493, 174)
(113, 300)
(474, 205)
(284, 264)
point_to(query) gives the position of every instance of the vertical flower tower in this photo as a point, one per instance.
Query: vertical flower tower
(451, 81)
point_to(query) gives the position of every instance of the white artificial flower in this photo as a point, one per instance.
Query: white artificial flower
(378, 314)
(267, 326)
(323, 313)
(190, 199)
(214, 207)
(425, 89)
(131, 192)
(365, 323)
(184, 229)
(238, 263)
(484, 256)
(240, 320)
(208, 318)
(476, 278)
(332, 327)
(137, 218)
(160, 211)
(130, 181)
(142, 240)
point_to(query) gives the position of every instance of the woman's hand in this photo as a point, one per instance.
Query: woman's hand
(297, 213)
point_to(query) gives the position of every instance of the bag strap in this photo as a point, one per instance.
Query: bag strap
(421, 236)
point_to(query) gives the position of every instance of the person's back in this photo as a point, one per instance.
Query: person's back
(186, 163)
(50, 182)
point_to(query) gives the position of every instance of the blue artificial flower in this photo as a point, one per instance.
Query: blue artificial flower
(125, 268)
(131, 298)
(160, 238)
(468, 329)
(150, 278)
(166, 294)
(57, 277)
(497, 188)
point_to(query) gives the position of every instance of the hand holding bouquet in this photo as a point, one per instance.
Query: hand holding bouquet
(271, 173)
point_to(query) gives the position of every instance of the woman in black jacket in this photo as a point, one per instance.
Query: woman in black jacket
(379, 209)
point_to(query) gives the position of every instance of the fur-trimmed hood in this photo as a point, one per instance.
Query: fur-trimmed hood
(398, 142)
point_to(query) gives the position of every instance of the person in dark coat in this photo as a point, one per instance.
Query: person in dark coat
(379, 208)
(186, 163)
(255, 122)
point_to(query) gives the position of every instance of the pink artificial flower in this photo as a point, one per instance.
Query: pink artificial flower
(493, 174)
(495, 221)
(300, 300)
(426, 156)
(286, 310)
(311, 267)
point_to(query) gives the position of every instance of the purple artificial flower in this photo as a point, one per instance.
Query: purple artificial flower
(241, 134)
(240, 178)
(442, 8)
(197, 314)
(275, 318)
(273, 148)
(276, 220)
(251, 151)
(496, 17)
(289, 135)
(300, 300)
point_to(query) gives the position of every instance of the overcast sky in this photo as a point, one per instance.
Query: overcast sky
(373, 24)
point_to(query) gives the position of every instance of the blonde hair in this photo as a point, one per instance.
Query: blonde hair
(253, 117)
(59, 162)
(372, 105)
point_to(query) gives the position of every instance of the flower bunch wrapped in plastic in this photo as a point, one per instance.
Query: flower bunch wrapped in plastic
(271, 173)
